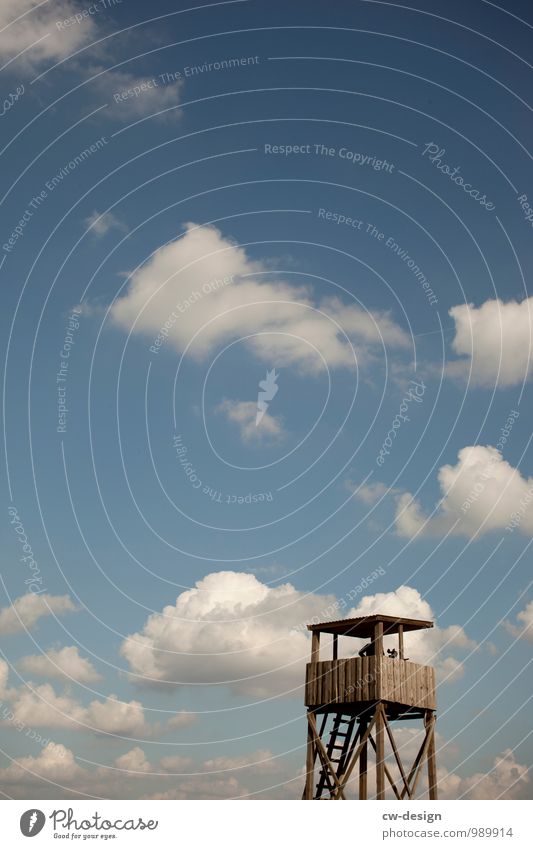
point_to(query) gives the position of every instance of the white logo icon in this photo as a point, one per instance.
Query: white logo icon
(267, 391)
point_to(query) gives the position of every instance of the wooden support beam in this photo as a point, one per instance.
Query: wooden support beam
(310, 760)
(378, 639)
(417, 764)
(315, 646)
(397, 755)
(400, 642)
(430, 721)
(363, 762)
(387, 771)
(380, 754)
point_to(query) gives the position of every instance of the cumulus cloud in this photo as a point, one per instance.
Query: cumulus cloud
(369, 493)
(31, 27)
(175, 763)
(205, 284)
(244, 413)
(26, 611)
(507, 779)
(523, 628)
(434, 647)
(495, 341)
(134, 761)
(4, 674)
(232, 629)
(39, 706)
(63, 663)
(54, 763)
(100, 223)
(481, 493)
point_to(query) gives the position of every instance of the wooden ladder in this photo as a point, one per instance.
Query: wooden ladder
(341, 743)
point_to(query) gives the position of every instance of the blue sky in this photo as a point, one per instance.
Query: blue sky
(335, 195)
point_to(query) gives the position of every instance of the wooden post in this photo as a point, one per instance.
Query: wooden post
(378, 639)
(380, 753)
(335, 646)
(315, 646)
(310, 760)
(432, 760)
(400, 642)
(363, 761)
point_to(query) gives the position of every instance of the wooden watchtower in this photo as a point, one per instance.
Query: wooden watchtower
(352, 702)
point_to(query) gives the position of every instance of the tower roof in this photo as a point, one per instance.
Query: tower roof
(363, 626)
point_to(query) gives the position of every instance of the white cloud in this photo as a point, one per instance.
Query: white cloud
(243, 414)
(182, 720)
(371, 492)
(134, 761)
(435, 646)
(496, 341)
(261, 762)
(115, 717)
(39, 706)
(506, 779)
(208, 787)
(4, 674)
(231, 629)
(35, 27)
(130, 96)
(100, 223)
(62, 663)
(523, 629)
(481, 493)
(26, 611)
(54, 763)
(203, 283)
(175, 763)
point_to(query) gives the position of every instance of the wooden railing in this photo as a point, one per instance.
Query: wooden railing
(368, 679)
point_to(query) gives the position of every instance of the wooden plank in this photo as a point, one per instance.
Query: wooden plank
(432, 759)
(326, 763)
(380, 754)
(315, 647)
(378, 655)
(310, 761)
(363, 762)
(363, 678)
(351, 679)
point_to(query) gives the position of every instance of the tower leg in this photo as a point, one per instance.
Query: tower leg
(363, 761)
(380, 753)
(310, 762)
(432, 760)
